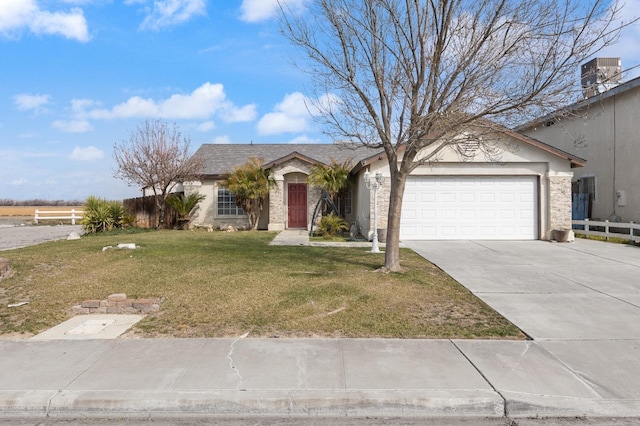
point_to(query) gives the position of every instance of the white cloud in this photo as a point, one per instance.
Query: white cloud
(222, 140)
(167, 13)
(90, 153)
(18, 182)
(18, 14)
(290, 115)
(73, 126)
(261, 10)
(206, 126)
(27, 102)
(80, 105)
(204, 102)
(304, 139)
(243, 114)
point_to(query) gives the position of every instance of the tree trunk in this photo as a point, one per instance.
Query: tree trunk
(392, 251)
(254, 219)
(161, 210)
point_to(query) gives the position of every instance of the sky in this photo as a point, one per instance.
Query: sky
(78, 76)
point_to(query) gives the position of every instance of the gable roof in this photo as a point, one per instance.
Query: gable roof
(220, 159)
(575, 160)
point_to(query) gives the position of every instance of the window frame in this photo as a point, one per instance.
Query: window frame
(226, 203)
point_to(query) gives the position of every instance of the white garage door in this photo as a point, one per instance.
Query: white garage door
(469, 208)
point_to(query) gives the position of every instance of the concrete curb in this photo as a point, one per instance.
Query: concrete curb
(293, 403)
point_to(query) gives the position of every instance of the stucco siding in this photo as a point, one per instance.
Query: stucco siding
(605, 133)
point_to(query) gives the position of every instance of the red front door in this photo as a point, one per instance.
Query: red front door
(297, 205)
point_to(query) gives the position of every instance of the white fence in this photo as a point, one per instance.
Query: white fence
(625, 231)
(71, 215)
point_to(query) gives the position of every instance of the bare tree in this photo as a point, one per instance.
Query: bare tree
(156, 157)
(406, 75)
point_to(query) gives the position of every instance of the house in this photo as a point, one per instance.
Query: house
(602, 129)
(525, 193)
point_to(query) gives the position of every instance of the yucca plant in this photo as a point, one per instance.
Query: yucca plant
(101, 215)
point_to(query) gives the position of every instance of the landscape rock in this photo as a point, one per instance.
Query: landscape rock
(5, 268)
(73, 236)
(117, 297)
(131, 246)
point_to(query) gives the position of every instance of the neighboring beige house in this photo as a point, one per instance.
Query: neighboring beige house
(523, 195)
(604, 130)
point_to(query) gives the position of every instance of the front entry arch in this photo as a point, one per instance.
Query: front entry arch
(297, 205)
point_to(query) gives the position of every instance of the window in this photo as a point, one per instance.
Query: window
(583, 196)
(587, 185)
(227, 204)
(347, 201)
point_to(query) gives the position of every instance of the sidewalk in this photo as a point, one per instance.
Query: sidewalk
(570, 369)
(292, 377)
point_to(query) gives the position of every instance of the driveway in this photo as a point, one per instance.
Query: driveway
(12, 237)
(585, 290)
(579, 302)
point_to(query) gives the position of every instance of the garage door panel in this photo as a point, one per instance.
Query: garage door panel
(469, 207)
(429, 214)
(428, 197)
(467, 214)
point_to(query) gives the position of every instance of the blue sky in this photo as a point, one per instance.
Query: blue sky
(77, 76)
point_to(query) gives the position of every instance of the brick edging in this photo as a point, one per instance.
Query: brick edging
(117, 303)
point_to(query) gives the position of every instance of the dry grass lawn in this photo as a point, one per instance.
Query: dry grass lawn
(225, 284)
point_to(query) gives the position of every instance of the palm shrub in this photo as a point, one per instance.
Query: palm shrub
(333, 178)
(250, 184)
(184, 205)
(331, 226)
(101, 215)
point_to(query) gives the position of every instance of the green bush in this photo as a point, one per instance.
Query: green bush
(101, 215)
(184, 205)
(331, 226)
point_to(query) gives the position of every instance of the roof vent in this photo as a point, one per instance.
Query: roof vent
(600, 75)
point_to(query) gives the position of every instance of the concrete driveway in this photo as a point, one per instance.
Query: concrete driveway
(585, 290)
(580, 302)
(12, 237)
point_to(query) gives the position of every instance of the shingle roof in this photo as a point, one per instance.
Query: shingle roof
(220, 159)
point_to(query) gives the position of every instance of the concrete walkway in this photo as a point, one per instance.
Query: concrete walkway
(291, 237)
(300, 237)
(578, 301)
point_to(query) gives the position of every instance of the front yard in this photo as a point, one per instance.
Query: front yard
(226, 284)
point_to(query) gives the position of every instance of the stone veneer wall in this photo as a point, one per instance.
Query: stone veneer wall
(560, 201)
(384, 192)
(277, 206)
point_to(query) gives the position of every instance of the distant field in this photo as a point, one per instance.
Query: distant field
(30, 211)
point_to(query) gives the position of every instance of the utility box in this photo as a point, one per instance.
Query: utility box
(599, 75)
